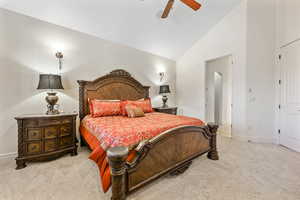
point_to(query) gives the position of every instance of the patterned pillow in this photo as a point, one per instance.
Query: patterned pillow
(133, 111)
(145, 105)
(101, 108)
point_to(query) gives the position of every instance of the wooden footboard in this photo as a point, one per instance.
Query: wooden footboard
(171, 152)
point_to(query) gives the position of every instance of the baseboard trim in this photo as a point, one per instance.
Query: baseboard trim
(256, 139)
(8, 155)
(292, 144)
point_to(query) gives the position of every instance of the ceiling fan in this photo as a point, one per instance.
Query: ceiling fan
(190, 3)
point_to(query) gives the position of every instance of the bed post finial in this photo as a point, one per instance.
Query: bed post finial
(213, 153)
(117, 160)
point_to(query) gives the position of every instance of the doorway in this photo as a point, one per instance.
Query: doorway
(218, 94)
(218, 85)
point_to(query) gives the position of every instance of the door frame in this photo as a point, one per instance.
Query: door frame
(230, 57)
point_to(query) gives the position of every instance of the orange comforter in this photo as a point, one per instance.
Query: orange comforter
(104, 132)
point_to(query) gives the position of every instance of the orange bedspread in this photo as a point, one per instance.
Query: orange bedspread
(104, 132)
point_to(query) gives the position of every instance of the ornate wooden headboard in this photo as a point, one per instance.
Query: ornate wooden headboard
(117, 85)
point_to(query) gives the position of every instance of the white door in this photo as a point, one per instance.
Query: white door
(289, 21)
(290, 96)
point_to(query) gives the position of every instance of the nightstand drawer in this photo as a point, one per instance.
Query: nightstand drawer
(34, 148)
(34, 134)
(67, 120)
(49, 122)
(172, 112)
(31, 123)
(50, 145)
(65, 130)
(167, 110)
(66, 141)
(51, 132)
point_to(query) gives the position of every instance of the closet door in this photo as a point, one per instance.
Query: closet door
(289, 21)
(290, 96)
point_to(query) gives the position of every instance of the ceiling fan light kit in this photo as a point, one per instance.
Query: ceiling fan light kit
(190, 3)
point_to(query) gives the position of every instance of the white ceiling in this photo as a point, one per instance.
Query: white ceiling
(135, 23)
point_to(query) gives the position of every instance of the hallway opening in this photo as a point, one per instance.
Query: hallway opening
(218, 94)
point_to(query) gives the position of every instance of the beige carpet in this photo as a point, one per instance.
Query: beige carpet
(246, 171)
(225, 130)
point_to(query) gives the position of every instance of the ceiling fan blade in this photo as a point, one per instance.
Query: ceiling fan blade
(192, 4)
(168, 9)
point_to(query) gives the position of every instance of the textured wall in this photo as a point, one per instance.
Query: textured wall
(261, 43)
(27, 48)
(248, 33)
(228, 37)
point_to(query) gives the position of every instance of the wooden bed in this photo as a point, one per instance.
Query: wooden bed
(171, 152)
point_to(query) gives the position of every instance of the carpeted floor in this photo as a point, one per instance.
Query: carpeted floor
(246, 171)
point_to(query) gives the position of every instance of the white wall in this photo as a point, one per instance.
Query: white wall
(228, 37)
(27, 48)
(248, 33)
(261, 67)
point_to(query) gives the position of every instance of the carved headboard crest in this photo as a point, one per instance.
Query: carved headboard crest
(120, 72)
(117, 85)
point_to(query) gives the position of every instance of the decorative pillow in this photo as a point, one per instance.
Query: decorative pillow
(101, 108)
(90, 104)
(145, 105)
(134, 111)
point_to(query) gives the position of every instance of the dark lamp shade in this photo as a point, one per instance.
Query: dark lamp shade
(50, 81)
(164, 89)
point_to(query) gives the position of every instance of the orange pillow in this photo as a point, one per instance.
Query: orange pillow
(145, 105)
(99, 108)
(134, 111)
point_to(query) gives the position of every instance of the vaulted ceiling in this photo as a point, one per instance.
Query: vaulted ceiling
(135, 23)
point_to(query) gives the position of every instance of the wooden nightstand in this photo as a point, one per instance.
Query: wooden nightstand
(45, 137)
(167, 110)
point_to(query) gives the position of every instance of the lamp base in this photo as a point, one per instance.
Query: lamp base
(165, 99)
(52, 99)
(52, 111)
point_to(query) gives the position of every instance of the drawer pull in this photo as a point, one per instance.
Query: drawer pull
(50, 133)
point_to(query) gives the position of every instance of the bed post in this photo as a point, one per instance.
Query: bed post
(117, 159)
(81, 107)
(213, 153)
